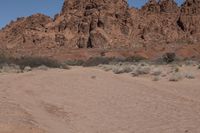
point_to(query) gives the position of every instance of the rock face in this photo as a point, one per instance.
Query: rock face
(189, 18)
(168, 6)
(104, 24)
(26, 32)
(94, 23)
(156, 22)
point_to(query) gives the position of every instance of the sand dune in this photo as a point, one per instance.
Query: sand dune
(89, 100)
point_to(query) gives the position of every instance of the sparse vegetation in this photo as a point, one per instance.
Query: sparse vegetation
(74, 62)
(125, 67)
(189, 76)
(169, 57)
(42, 67)
(106, 60)
(166, 58)
(176, 77)
(95, 61)
(143, 70)
(176, 69)
(135, 59)
(27, 69)
(190, 62)
(134, 73)
(116, 65)
(27, 63)
(122, 69)
(10, 69)
(156, 72)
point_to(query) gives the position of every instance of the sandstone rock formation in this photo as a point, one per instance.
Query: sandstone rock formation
(104, 24)
(94, 24)
(189, 19)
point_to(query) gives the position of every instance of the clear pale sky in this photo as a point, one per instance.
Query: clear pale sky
(11, 9)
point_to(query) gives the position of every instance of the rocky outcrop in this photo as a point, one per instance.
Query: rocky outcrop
(26, 32)
(156, 22)
(152, 6)
(189, 18)
(91, 22)
(105, 24)
(168, 6)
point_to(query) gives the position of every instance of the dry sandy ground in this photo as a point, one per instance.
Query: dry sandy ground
(89, 100)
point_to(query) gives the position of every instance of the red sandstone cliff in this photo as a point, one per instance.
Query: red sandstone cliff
(104, 24)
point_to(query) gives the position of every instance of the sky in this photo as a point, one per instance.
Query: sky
(12, 9)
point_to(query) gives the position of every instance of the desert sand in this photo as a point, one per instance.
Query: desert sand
(90, 100)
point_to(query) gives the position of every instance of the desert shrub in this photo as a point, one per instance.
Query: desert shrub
(96, 61)
(156, 72)
(36, 62)
(169, 57)
(12, 68)
(176, 69)
(3, 59)
(27, 69)
(189, 76)
(135, 59)
(141, 71)
(190, 62)
(122, 69)
(176, 77)
(42, 67)
(135, 73)
(29, 61)
(74, 62)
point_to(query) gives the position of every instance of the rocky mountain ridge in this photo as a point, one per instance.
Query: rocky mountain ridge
(106, 24)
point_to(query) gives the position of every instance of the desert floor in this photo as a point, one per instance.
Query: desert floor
(90, 100)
